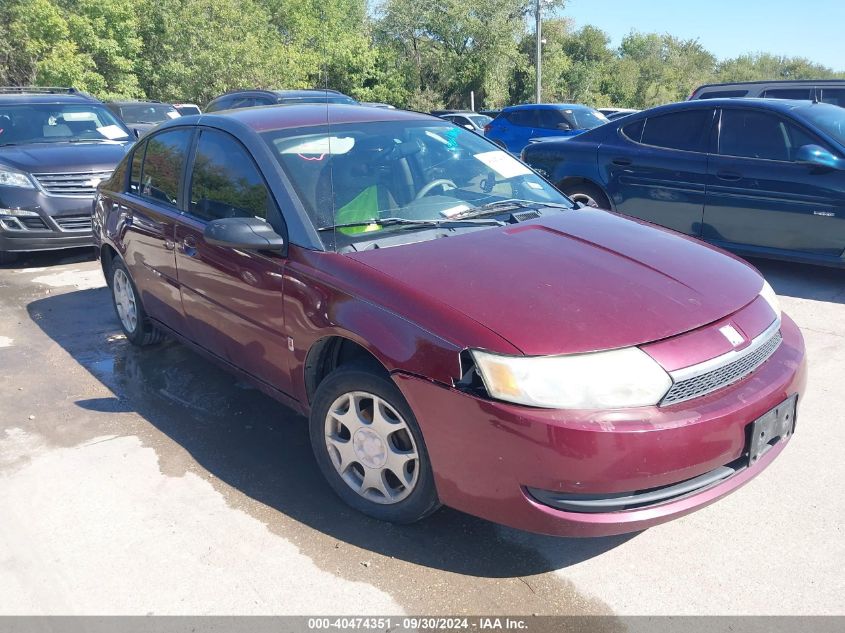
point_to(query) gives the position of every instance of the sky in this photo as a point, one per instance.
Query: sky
(814, 29)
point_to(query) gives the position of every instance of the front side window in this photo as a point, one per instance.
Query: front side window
(59, 123)
(225, 182)
(550, 119)
(829, 119)
(408, 170)
(687, 130)
(164, 160)
(751, 134)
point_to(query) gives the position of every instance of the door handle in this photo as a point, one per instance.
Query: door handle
(622, 162)
(731, 176)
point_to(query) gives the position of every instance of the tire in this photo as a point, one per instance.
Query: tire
(587, 193)
(362, 449)
(134, 322)
(7, 257)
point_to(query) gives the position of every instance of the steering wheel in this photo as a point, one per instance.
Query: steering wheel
(422, 193)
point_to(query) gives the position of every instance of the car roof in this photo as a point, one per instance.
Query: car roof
(547, 106)
(777, 105)
(279, 117)
(773, 82)
(57, 98)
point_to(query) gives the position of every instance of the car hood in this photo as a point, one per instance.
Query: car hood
(576, 282)
(63, 157)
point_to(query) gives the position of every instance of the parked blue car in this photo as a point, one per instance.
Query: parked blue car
(517, 125)
(762, 177)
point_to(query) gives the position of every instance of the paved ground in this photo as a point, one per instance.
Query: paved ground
(152, 482)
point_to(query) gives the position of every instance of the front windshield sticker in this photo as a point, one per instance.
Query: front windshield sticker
(452, 138)
(112, 132)
(503, 164)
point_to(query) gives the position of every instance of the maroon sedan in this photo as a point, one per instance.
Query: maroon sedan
(456, 330)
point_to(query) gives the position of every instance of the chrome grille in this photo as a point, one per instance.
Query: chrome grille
(74, 222)
(71, 183)
(726, 374)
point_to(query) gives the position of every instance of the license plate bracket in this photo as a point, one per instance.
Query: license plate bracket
(770, 428)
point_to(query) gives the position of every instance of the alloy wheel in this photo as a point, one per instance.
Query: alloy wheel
(124, 300)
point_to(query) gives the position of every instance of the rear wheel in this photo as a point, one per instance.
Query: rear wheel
(369, 447)
(138, 329)
(588, 194)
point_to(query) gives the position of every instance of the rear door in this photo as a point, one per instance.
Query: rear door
(519, 128)
(232, 299)
(757, 194)
(148, 214)
(656, 168)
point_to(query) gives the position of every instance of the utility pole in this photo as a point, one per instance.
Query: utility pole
(538, 90)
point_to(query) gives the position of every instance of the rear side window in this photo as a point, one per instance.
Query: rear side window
(751, 134)
(723, 94)
(225, 182)
(523, 118)
(835, 96)
(164, 159)
(634, 131)
(687, 131)
(803, 94)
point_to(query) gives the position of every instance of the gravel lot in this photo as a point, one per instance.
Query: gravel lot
(136, 482)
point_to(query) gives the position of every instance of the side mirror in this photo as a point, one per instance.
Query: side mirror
(249, 234)
(564, 126)
(817, 156)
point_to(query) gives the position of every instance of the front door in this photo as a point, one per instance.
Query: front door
(656, 168)
(233, 299)
(758, 196)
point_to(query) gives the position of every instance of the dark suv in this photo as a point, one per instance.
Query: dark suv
(56, 145)
(251, 98)
(821, 90)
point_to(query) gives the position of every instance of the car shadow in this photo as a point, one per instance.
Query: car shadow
(255, 445)
(803, 281)
(44, 259)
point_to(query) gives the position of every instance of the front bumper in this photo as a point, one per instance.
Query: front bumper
(61, 221)
(486, 454)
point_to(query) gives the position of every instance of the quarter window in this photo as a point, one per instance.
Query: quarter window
(163, 162)
(225, 182)
(687, 130)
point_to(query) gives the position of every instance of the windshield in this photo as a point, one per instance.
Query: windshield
(480, 119)
(583, 119)
(419, 170)
(57, 123)
(828, 118)
(148, 113)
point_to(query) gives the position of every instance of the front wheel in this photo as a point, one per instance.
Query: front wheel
(369, 447)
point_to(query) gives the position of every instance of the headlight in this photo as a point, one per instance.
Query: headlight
(600, 380)
(768, 293)
(13, 178)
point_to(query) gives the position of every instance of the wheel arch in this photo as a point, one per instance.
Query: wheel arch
(568, 181)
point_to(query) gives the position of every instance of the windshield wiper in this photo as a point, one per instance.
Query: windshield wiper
(446, 223)
(501, 206)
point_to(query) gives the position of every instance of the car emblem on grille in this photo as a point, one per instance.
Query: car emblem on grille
(730, 333)
(93, 182)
